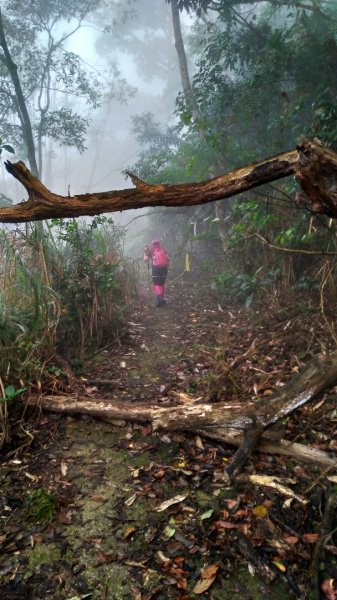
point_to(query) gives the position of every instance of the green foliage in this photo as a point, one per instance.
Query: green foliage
(54, 80)
(69, 294)
(10, 392)
(193, 5)
(40, 506)
(6, 147)
(66, 127)
(244, 287)
(93, 282)
(266, 81)
(28, 310)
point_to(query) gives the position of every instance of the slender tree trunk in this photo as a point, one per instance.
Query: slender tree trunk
(20, 100)
(22, 114)
(219, 208)
(183, 67)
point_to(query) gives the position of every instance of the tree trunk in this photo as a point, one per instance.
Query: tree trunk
(20, 100)
(183, 67)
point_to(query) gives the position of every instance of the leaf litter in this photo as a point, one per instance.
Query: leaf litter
(143, 515)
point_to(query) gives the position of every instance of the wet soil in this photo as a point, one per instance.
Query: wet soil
(109, 533)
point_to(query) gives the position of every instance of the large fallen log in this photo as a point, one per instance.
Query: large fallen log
(314, 166)
(224, 422)
(113, 412)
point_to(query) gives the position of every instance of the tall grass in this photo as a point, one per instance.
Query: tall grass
(95, 283)
(67, 294)
(29, 309)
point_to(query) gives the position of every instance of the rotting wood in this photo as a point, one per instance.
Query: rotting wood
(223, 421)
(273, 482)
(251, 438)
(268, 445)
(319, 374)
(111, 412)
(253, 557)
(328, 528)
(267, 571)
(314, 166)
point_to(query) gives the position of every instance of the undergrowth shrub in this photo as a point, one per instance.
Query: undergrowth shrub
(29, 311)
(274, 252)
(245, 287)
(94, 283)
(66, 293)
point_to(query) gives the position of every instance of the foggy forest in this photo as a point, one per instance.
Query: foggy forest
(168, 275)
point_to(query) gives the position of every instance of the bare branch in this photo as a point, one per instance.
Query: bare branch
(314, 166)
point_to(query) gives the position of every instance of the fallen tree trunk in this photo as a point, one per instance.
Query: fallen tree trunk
(143, 413)
(319, 374)
(314, 165)
(223, 422)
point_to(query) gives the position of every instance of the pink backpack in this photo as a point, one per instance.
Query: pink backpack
(160, 258)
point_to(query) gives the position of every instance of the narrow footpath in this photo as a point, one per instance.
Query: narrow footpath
(117, 512)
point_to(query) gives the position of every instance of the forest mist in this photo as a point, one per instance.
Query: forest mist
(130, 47)
(175, 92)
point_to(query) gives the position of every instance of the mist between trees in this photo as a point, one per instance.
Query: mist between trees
(175, 93)
(172, 100)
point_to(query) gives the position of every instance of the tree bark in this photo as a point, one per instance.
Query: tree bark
(183, 67)
(112, 412)
(314, 166)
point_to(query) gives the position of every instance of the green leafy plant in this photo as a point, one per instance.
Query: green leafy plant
(93, 282)
(6, 147)
(10, 393)
(7, 394)
(244, 287)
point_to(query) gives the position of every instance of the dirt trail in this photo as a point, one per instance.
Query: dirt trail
(166, 348)
(110, 537)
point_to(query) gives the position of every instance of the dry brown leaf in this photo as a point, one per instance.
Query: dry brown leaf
(129, 531)
(311, 538)
(209, 571)
(327, 587)
(198, 442)
(203, 585)
(291, 539)
(225, 525)
(130, 500)
(159, 474)
(207, 577)
(162, 557)
(32, 477)
(90, 389)
(232, 504)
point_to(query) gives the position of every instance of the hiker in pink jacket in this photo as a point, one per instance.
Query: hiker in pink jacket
(160, 262)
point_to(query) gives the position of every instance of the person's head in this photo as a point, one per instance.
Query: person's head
(155, 244)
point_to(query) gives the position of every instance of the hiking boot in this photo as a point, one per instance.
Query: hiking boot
(160, 301)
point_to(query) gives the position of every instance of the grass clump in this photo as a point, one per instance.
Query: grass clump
(40, 506)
